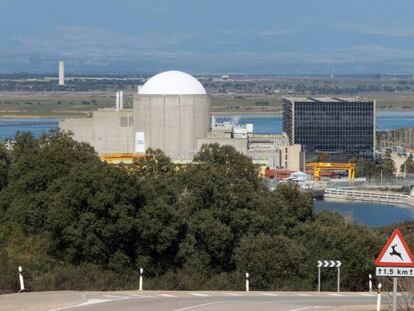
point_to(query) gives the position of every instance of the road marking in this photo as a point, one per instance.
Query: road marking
(116, 297)
(199, 294)
(304, 295)
(202, 305)
(86, 303)
(268, 294)
(336, 295)
(232, 294)
(308, 308)
(141, 296)
(168, 295)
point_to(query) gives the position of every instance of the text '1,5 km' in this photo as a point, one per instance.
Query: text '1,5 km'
(395, 272)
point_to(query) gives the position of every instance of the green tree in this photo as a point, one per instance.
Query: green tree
(408, 165)
(365, 167)
(274, 262)
(387, 166)
(4, 166)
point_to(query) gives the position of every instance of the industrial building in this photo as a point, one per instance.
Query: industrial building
(330, 129)
(171, 112)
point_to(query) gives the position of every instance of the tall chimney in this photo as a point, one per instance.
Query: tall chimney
(121, 100)
(61, 73)
(117, 101)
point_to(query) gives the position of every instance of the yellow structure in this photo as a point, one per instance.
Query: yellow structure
(318, 166)
(117, 158)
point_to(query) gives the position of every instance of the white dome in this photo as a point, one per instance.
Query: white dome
(172, 83)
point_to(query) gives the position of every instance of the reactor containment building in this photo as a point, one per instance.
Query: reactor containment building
(171, 112)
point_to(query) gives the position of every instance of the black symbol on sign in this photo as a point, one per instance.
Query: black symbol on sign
(394, 252)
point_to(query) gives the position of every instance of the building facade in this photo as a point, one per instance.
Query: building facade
(331, 129)
(171, 111)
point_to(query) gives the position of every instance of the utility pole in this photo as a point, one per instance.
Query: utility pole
(394, 294)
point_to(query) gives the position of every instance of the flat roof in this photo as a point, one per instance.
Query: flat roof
(328, 99)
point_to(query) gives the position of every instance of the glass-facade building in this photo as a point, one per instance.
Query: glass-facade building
(330, 129)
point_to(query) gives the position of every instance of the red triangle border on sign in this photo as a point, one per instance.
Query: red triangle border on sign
(387, 245)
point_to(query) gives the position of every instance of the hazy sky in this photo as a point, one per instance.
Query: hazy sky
(208, 35)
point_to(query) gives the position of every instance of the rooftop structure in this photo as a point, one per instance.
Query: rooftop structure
(172, 83)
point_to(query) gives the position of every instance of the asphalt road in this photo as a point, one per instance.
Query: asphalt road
(183, 301)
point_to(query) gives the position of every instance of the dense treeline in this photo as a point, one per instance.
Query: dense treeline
(74, 222)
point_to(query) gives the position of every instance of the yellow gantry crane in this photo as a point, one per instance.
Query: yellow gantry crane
(318, 166)
(117, 158)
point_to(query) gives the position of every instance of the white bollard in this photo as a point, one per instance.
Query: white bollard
(247, 282)
(379, 297)
(370, 283)
(20, 269)
(141, 272)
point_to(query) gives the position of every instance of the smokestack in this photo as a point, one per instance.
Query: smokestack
(61, 73)
(117, 101)
(121, 100)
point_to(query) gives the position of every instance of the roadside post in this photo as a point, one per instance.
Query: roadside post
(379, 297)
(370, 283)
(21, 281)
(247, 282)
(395, 260)
(141, 276)
(329, 264)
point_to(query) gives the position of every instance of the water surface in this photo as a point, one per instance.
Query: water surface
(371, 214)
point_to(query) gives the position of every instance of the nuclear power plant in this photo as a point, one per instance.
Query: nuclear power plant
(170, 112)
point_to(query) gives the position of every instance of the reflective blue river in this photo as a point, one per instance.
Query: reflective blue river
(263, 124)
(371, 214)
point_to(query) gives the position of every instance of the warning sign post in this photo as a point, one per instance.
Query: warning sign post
(395, 260)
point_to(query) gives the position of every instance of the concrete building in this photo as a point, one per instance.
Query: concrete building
(108, 131)
(61, 73)
(171, 111)
(331, 129)
(292, 158)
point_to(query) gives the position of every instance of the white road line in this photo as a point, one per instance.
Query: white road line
(304, 295)
(312, 307)
(200, 306)
(304, 308)
(86, 303)
(232, 294)
(116, 297)
(141, 296)
(168, 295)
(336, 295)
(199, 294)
(268, 294)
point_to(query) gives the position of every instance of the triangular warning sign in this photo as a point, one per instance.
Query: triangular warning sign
(395, 253)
